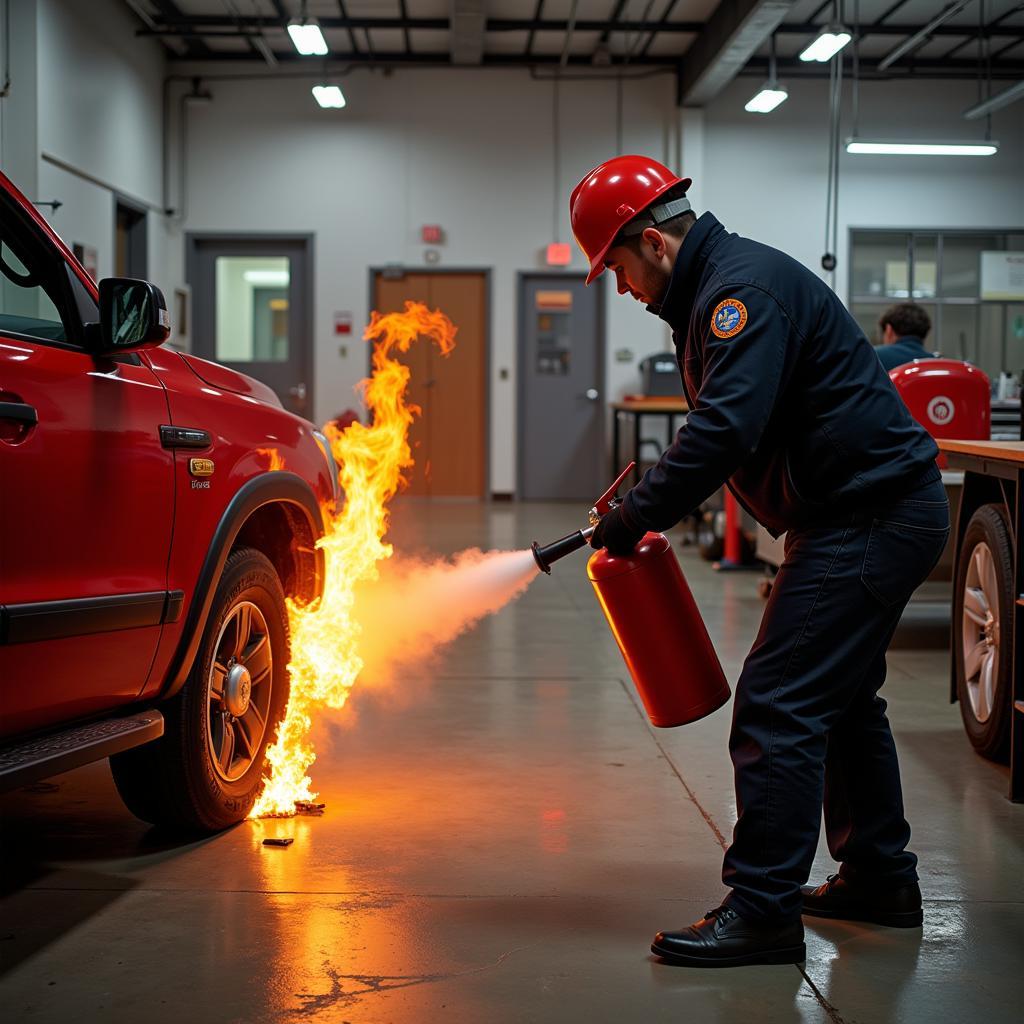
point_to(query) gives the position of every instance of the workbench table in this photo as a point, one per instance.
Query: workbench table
(639, 408)
(1003, 460)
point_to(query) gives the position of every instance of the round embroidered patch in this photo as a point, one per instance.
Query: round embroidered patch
(729, 318)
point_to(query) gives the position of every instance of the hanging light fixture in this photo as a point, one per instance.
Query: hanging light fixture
(306, 35)
(329, 96)
(771, 94)
(829, 41)
(891, 148)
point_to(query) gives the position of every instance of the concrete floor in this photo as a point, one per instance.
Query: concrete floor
(505, 833)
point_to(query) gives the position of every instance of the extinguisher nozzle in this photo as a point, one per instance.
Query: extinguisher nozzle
(539, 558)
(544, 556)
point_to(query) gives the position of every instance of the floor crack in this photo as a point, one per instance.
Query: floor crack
(368, 984)
(833, 1014)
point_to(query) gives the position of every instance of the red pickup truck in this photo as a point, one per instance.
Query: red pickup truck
(148, 538)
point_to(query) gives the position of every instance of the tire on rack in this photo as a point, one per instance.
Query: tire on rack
(982, 622)
(205, 772)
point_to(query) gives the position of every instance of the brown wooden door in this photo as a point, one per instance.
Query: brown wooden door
(449, 438)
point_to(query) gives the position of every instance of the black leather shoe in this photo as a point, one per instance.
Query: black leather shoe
(849, 901)
(724, 939)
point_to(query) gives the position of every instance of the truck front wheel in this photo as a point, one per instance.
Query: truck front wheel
(205, 772)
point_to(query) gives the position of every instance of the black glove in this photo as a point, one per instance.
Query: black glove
(616, 533)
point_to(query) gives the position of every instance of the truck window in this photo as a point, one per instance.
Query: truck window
(30, 296)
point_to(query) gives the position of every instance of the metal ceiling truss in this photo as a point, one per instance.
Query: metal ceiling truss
(725, 43)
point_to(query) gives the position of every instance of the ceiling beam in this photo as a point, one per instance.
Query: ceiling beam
(199, 25)
(467, 25)
(528, 49)
(733, 34)
(757, 66)
(923, 34)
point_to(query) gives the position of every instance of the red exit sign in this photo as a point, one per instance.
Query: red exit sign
(559, 254)
(432, 234)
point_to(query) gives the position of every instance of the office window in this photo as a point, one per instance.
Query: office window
(970, 282)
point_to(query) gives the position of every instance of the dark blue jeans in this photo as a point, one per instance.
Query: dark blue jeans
(809, 729)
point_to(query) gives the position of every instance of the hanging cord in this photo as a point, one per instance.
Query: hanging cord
(6, 87)
(557, 161)
(856, 69)
(830, 260)
(618, 115)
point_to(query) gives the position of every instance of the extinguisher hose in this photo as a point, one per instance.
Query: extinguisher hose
(566, 545)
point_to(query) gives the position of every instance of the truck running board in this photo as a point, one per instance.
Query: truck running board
(28, 761)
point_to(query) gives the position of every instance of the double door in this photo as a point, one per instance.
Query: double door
(449, 437)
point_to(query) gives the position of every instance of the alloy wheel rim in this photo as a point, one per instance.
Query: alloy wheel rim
(980, 631)
(238, 691)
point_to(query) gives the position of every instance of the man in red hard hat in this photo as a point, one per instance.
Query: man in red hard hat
(790, 407)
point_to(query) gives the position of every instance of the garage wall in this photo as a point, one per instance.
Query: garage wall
(19, 116)
(764, 176)
(97, 110)
(471, 151)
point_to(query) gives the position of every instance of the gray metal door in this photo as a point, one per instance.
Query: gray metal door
(252, 310)
(561, 388)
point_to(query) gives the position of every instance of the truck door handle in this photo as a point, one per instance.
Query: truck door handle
(19, 412)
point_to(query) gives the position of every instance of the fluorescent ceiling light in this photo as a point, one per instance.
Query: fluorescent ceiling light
(266, 277)
(922, 148)
(831, 39)
(770, 96)
(308, 38)
(997, 102)
(329, 95)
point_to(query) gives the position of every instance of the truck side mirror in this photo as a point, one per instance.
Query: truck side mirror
(133, 316)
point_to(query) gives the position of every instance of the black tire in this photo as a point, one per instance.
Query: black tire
(710, 532)
(176, 781)
(986, 718)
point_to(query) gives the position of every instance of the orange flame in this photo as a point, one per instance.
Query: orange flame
(324, 636)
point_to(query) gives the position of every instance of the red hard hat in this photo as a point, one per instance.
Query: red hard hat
(611, 195)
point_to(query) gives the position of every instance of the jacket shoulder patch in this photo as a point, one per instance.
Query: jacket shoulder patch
(729, 318)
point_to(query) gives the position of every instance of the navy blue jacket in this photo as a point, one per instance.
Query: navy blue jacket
(788, 401)
(902, 350)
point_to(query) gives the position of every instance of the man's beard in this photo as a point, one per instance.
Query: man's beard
(654, 284)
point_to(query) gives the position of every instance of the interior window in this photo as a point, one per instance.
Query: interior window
(27, 292)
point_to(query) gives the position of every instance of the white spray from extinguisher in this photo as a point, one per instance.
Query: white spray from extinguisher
(419, 605)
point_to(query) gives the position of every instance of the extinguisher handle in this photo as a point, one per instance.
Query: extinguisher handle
(603, 505)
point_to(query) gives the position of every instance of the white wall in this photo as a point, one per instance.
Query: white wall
(97, 109)
(19, 114)
(471, 151)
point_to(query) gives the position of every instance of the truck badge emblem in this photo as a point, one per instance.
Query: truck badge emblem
(200, 467)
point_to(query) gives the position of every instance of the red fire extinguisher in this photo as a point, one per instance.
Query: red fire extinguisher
(654, 619)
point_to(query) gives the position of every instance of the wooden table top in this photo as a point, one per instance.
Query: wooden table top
(1001, 451)
(653, 403)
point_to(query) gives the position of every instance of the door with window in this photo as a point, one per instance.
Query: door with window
(252, 310)
(88, 496)
(449, 437)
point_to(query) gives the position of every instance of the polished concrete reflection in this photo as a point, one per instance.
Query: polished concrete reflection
(504, 835)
